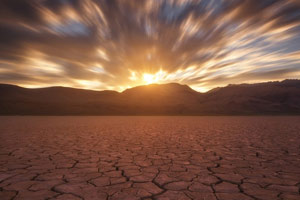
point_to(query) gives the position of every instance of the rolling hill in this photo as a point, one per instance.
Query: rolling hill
(271, 98)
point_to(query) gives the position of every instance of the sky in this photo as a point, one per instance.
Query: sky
(117, 44)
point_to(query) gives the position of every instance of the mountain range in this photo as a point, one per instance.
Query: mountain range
(270, 98)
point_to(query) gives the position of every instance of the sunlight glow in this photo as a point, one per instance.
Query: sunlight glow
(93, 84)
(149, 78)
(158, 77)
(104, 45)
(133, 76)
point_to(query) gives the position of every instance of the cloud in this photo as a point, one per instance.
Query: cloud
(102, 43)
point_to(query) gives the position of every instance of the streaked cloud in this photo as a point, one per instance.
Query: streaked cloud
(115, 44)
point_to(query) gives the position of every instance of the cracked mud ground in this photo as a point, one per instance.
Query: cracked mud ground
(208, 158)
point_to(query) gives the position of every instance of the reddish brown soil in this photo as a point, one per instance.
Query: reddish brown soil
(208, 158)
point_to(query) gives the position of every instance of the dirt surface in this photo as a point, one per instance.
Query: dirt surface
(207, 158)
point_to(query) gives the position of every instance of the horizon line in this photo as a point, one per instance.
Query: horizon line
(101, 90)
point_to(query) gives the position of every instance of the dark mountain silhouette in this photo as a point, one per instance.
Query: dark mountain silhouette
(166, 99)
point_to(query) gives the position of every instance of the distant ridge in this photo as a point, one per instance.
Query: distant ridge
(270, 98)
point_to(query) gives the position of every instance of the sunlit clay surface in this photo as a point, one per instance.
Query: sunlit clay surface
(118, 44)
(159, 158)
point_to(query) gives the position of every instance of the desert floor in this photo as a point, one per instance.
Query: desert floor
(209, 158)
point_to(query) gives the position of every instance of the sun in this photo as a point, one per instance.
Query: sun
(149, 78)
(158, 77)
